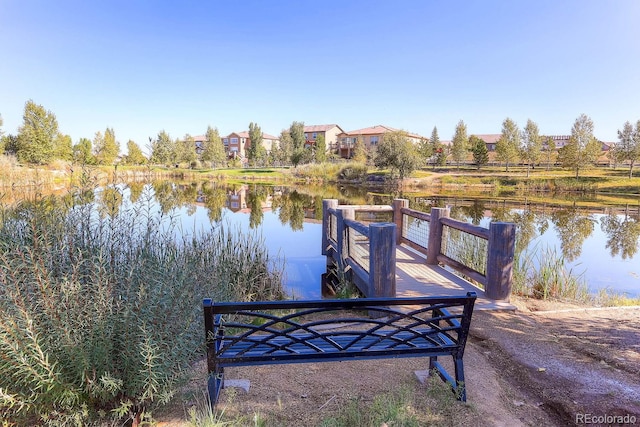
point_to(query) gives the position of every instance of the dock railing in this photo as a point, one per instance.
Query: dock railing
(484, 255)
(348, 243)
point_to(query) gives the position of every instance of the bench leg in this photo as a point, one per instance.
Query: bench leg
(214, 385)
(433, 363)
(461, 390)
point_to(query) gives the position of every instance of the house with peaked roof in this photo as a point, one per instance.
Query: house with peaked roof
(371, 136)
(237, 143)
(330, 133)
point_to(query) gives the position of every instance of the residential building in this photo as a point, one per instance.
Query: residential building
(237, 143)
(200, 140)
(330, 132)
(371, 137)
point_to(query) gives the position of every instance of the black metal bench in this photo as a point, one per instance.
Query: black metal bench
(276, 332)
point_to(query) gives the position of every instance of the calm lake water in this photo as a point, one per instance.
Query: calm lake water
(599, 243)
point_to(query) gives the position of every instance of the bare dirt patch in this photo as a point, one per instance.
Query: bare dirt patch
(541, 365)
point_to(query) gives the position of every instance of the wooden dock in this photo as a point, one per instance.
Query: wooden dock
(417, 253)
(415, 278)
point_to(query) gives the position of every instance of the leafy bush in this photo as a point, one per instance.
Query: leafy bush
(100, 307)
(353, 172)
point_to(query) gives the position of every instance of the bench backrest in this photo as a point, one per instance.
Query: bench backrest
(328, 329)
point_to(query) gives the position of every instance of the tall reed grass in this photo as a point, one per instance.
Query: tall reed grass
(100, 308)
(542, 274)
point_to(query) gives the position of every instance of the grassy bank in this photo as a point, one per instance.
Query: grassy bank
(100, 309)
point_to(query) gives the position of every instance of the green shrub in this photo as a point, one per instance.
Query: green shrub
(542, 274)
(353, 172)
(100, 307)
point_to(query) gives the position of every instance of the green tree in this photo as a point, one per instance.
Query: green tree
(460, 143)
(549, 148)
(479, 150)
(508, 146)
(298, 151)
(106, 148)
(531, 145)
(583, 149)
(425, 150)
(135, 155)
(162, 149)
(360, 151)
(63, 147)
(628, 146)
(37, 135)
(284, 150)
(439, 149)
(185, 150)
(82, 153)
(256, 153)
(213, 150)
(320, 149)
(298, 139)
(398, 153)
(9, 144)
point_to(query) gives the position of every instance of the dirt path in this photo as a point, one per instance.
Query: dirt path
(540, 366)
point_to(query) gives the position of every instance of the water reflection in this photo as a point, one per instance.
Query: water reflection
(623, 233)
(289, 218)
(573, 228)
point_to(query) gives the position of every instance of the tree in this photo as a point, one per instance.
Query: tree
(135, 155)
(438, 148)
(106, 148)
(479, 150)
(298, 140)
(9, 144)
(397, 152)
(531, 145)
(37, 135)
(459, 143)
(360, 151)
(213, 150)
(284, 151)
(82, 152)
(320, 148)
(63, 147)
(185, 150)
(256, 153)
(98, 145)
(297, 135)
(628, 147)
(162, 148)
(508, 146)
(549, 147)
(582, 149)
(425, 150)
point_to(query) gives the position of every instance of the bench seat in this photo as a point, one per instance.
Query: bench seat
(278, 332)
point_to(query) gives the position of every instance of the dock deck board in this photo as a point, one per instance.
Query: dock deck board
(415, 278)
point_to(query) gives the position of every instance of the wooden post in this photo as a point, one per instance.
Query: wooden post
(342, 230)
(326, 218)
(398, 204)
(382, 259)
(500, 255)
(435, 234)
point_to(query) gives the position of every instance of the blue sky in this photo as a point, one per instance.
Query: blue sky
(144, 66)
